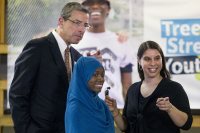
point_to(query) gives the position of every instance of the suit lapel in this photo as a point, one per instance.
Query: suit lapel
(75, 55)
(57, 56)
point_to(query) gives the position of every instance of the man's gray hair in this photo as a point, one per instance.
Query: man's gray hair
(70, 7)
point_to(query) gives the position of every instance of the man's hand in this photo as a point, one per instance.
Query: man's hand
(122, 37)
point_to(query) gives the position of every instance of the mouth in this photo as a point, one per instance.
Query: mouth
(99, 85)
(95, 14)
(152, 70)
(79, 36)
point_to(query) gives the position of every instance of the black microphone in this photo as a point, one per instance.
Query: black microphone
(107, 91)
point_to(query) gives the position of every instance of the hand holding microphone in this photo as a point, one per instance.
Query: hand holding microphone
(112, 104)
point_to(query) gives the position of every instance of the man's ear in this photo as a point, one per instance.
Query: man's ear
(60, 21)
(107, 12)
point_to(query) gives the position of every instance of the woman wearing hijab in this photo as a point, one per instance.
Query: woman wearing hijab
(85, 111)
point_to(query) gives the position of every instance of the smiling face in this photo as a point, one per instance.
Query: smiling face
(98, 13)
(151, 63)
(97, 80)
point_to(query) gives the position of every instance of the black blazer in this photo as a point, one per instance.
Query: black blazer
(39, 88)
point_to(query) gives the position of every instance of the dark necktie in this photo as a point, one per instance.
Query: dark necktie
(68, 62)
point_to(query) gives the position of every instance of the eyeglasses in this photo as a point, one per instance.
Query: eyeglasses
(79, 23)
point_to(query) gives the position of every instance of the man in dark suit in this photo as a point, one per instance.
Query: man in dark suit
(39, 88)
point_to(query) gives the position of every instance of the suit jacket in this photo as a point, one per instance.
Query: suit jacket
(39, 88)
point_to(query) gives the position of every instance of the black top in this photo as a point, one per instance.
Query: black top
(142, 102)
(147, 118)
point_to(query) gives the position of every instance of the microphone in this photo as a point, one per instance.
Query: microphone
(107, 91)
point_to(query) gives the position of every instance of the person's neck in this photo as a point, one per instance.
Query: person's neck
(62, 36)
(149, 85)
(152, 81)
(97, 29)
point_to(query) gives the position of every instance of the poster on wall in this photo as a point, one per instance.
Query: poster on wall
(175, 25)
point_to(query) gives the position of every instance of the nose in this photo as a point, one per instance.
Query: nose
(82, 28)
(94, 7)
(81, 31)
(100, 78)
(153, 62)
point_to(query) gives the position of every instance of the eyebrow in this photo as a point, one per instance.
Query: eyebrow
(80, 21)
(153, 57)
(77, 20)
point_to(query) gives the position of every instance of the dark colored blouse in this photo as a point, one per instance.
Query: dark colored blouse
(142, 114)
(142, 101)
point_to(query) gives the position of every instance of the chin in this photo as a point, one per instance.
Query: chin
(153, 76)
(76, 42)
(98, 91)
(95, 23)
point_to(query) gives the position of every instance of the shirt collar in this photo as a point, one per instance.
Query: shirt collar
(61, 43)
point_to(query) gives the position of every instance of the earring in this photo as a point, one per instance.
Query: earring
(140, 67)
